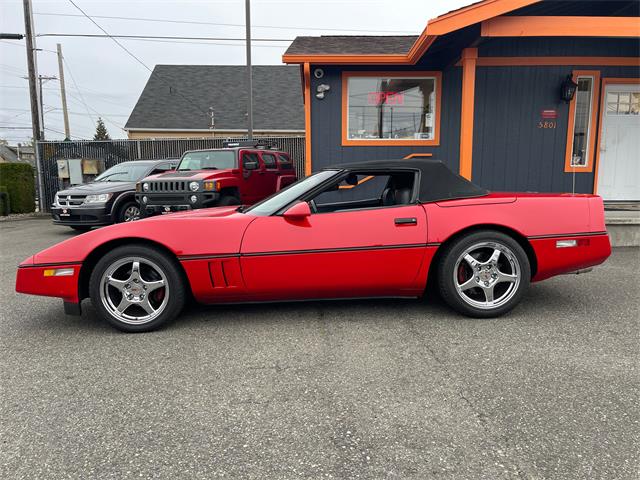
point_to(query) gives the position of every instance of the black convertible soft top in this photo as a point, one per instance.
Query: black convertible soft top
(437, 182)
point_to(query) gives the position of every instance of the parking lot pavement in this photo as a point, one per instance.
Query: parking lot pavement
(358, 389)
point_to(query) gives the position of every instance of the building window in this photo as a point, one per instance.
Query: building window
(623, 103)
(391, 108)
(580, 135)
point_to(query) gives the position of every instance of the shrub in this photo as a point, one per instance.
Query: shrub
(18, 178)
(4, 201)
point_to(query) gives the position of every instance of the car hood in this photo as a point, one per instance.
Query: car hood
(196, 214)
(206, 232)
(98, 187)
(191, 175)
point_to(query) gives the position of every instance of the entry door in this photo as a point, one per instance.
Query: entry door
(340, 254)
(269, 173)
(619, 167)
(252, 184)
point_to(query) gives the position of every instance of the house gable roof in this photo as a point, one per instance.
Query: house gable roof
(178, 97)
(614, 20)
(447, 23)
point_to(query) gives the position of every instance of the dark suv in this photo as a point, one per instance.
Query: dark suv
(110, 198)
(241, 173)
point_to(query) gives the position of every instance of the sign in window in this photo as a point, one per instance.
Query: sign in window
(391, 108)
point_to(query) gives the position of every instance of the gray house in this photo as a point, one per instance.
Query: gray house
(196, 101)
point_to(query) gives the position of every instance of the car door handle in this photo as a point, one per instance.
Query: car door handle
(406, 221)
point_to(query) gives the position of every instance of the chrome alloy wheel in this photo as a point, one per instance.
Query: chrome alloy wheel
(131, 214)
(487, 275)
(134, 290)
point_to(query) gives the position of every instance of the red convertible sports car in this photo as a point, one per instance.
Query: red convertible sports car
(372, 229)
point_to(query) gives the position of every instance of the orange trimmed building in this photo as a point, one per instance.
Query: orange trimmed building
(517, 95)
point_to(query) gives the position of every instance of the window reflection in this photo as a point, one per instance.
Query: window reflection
(391, 108)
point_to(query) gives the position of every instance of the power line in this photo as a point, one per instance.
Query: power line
(132, 55)
(161, 37)
(13, 44)
(194, 22)
(73, 79)
(186, 42)
(107, 119)
(57, 110)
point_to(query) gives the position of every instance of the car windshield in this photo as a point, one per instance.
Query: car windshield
(123, 172)
(284, 197)
(210, 159)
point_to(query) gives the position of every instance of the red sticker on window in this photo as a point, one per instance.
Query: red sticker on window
(388, 98)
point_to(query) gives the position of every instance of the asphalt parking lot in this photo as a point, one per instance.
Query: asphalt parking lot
(358, 389)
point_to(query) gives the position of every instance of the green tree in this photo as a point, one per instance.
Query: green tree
(101, 131)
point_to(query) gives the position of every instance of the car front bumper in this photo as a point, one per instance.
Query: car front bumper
(173, 202)
(80, 216)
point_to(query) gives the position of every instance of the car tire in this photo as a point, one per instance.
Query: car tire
(128, 212)
(80, 228)
(484, 274)
(228, 200)
(137, 288)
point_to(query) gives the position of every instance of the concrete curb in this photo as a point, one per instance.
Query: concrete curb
(24, 216)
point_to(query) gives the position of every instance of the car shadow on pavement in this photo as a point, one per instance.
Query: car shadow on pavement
(540, 298)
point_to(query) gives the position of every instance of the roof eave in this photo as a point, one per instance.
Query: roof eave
(441, 25)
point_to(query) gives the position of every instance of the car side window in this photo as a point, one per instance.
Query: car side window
(366, 190)
(161, 168)
(250, 161)
(269, 161)
(285, 162)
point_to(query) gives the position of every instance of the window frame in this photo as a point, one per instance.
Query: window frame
(368, 173)
(274, 165)
(592, 128)
(258, 159)
(435, 141)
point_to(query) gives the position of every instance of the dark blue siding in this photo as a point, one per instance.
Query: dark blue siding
(559, 47)
(326, 123)
(509, 152)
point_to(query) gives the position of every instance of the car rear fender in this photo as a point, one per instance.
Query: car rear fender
(517, 236)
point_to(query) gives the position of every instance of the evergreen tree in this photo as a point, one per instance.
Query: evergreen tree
(101, 131)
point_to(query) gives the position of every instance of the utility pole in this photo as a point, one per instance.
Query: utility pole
(63, 95)
(212, 124)
(36, 106)
(247, 10)
(41, 80)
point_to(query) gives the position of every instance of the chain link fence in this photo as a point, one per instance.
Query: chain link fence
(113, 152)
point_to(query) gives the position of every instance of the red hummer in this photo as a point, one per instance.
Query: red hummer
(241, 173)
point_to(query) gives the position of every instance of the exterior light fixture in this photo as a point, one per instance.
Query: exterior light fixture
(321, 89)
(568, 89)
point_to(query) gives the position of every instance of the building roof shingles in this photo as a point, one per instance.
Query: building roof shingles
(179, 97)
(351, 45)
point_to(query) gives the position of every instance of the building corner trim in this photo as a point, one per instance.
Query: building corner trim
(469, 59)
(307, 118)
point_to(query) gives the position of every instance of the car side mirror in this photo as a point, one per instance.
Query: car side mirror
(250, 165)
(299, 211)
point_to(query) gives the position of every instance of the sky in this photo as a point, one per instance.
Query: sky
(103, 80)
